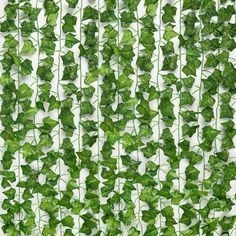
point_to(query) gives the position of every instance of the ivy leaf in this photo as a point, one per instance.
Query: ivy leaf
(186, 98)
(168, 48)
(189, 130)
(31, 11)
(24, 91)
(68, 58)
(86, 108)
(170, 63)
(27, 27)
(147, 39)
(10, 41)
(166, 108)
(89, 125)
(226, 111)
(150, 149)
(67, 119)
(26, 67)
(48, 125)
(108, 16)
(211, 61)
(70, 40)
(127, 17)
(188, 116)
(72, 3)
(169, 14)
(192, 173)
(188, 82)
(70, 72)
(90, 13)
(89, 140)
(68, 221)
(168, 213)
(92, 182)
(149, 195)
(227, 223)
(132, 5)
(47, 46)
(128, 38)
(124, 82)
(69, 22)
(169, 33)
(207, 100)
(133, 232)
(145, 63)
(191, 4)
(208, 113)
(28, 47)
(209, 134)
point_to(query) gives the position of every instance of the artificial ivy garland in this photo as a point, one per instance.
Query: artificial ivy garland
(117, 117)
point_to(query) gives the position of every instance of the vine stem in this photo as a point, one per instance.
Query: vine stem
(58, 96)
(36, 96)
(80, 85)
(159, 118)
(18, 106)
(179, 121)
(118, 99)
(137, 73)
(198, 116)
(217, 100)
(218, 91)
(98, 102)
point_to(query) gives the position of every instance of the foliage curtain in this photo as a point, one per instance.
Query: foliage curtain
(117, 117)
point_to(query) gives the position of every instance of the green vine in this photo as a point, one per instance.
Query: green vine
(117, 117)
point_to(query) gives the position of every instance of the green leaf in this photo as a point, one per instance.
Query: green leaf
(68, 221)
(24, 91)
(92, 182)
(86, 108)
(68, 58)
(170, 63)
(90, 13)
(72, 3)
(132, 4)
(208, 114)
(108, 16)
(226, 111)
(169, 33)
(128, 38)
(168, 48)
(169, 14)
(188, 116)
(27, 27)
(5, 79)
(47, 46)
(145, 63)
(67, 119)
(186, 98)
(28, 47)
(69, 22)
(10, 41)
(124, 82)
(26, 67)
(166, 107)
(207, 100)
(150, 149)
(70, 40)
(192, 173)
(70, 72)
(89, 140)
(211, 61)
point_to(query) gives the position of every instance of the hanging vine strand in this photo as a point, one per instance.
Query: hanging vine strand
(117, 117)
